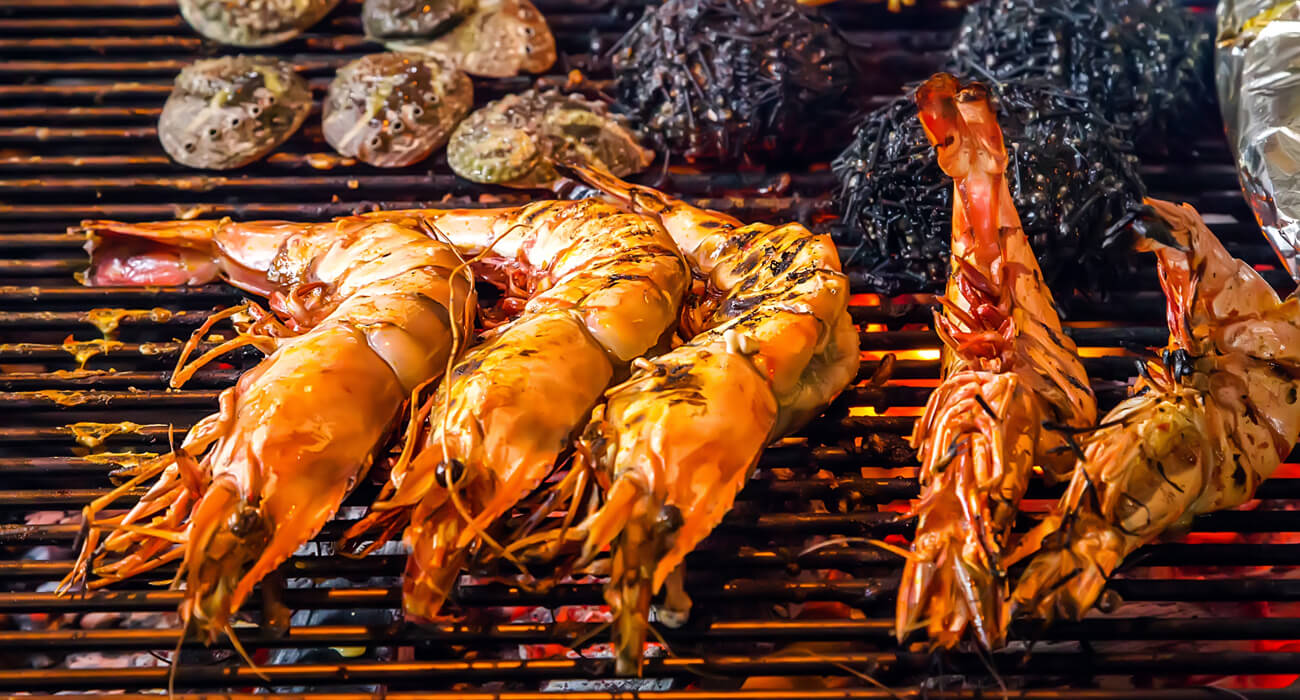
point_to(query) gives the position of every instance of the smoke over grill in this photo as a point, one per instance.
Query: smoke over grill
(83, 385)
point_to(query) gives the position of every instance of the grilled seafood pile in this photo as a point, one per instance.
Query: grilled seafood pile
(367, 311)
(726, 79)
(1072, 176)
(1206, 424)
(228, 112)
(770, 342)
(1007, 366)
(394, 109)
(588, 288)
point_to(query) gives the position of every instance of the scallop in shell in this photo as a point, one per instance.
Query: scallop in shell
(502, 38)
(516, 140)
(413, 19)
(230, 111)
(253, 22)
(394, 109)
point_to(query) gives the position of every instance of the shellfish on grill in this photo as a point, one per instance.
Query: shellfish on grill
(516, 140)
(394, 109)
(230, 111)
(253, 22)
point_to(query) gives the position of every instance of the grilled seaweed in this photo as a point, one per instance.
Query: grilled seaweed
(1071, 172)
(722, 79)
(1145, 64)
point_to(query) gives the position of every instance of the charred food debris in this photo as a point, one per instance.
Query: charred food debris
(725, 79)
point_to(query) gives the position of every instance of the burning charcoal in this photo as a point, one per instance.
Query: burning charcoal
(253, 22)
(1073, 177)
(413, 19)
(230, 111)
(394, 109)
(724, 79)
(515, 140)
(1144, 63)
(500, 39)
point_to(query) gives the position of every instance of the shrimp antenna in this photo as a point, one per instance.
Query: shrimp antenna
(243, 653)
(456, 341)
(851, 671)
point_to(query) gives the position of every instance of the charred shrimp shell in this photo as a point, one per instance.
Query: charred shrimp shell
(500, 39)
(230, 111)
(412, 19)
(394, 109)
(516, 140)
(1145, 64)
(1072, 176)
(722, 79)
(253, 22)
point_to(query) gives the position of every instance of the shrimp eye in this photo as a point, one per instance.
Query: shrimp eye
(244, 522)
(450, 472)
(670, 520)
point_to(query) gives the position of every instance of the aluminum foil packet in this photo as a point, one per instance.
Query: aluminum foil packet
(1257, 74)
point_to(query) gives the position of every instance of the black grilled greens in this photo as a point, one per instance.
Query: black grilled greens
(724, 79)
(1073, 177)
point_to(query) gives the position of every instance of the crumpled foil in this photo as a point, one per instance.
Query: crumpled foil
(1257, 73)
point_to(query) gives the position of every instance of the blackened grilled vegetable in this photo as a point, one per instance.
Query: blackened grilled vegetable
(1143, 63)
(253, 22)
(722, 79)
(1073, 178)
(230, 111)
(412, 19)
(394, 109)
(516, 140)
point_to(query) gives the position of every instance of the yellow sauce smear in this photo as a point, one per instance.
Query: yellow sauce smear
(122, 459)
(107, 320)
(83, 350)
(62, 398)
(94, 434)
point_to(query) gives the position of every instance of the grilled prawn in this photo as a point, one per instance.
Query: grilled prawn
(1205, 426)
(1008, 367)
(770, 344)
(370, 309)
(593, 287)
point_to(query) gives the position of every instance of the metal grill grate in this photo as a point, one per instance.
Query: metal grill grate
(81, 85)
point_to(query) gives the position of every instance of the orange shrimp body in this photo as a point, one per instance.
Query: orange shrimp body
(370, 309)
(1205, 426)
(1007, 368)
(772, 345)
(598, 287)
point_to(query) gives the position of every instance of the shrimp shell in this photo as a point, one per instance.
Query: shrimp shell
(1007, 367)
(1206, 425)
